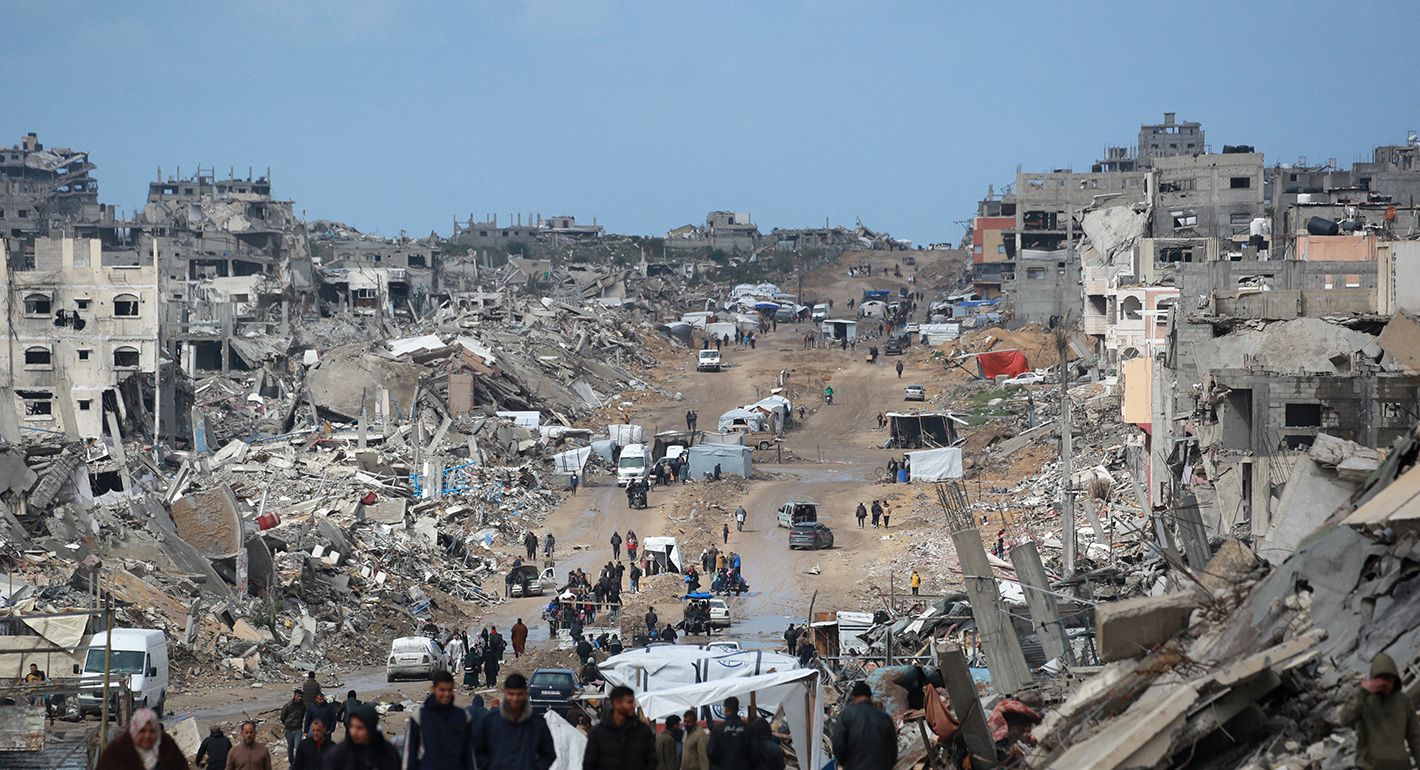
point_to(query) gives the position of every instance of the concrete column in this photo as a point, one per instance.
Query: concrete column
(966, 707)
(1261, 458)
(1005, 659)
(1044, 612)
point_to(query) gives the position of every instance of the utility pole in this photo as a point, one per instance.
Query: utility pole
(108, 660)
(1067, 460)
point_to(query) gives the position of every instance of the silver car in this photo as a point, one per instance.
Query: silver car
(914, 393)
(414, 656)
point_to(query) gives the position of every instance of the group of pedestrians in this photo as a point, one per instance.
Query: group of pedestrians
(483, 655)
(881, 514)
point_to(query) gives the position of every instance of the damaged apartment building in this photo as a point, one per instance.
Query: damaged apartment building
(732, 232)
(364, 274)
(83, 344)
(1236, 345)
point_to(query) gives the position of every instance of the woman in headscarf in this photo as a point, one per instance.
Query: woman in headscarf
(364, 747)
(144, 746)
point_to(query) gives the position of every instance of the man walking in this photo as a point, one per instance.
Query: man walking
(689, 421)
(347, 709)
(310, 754)
(513, 737)
(668, 746)
(740, 518)
(616, 545)
(519, 635)
(692, 753)
(899, 370)
(861, 514)
(437, 737)
(863, 736)
(455, 649)
(322, 710)
(916, 582)
(248, 754)
(877, 513)
(729, 744)
(530, 543)
(547, 544)
(293, 717)
(635, 578)
(1384, 720)
(651, 621)
(213, 750)
(621, 741)
(725, 534)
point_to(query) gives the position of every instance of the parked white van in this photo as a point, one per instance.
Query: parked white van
(139, 655)
(633, 465)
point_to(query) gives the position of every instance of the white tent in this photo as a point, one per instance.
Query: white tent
(797, 692)
(673, 665)
(721, 330)
(626, 434)
(652, 546)
(741, 417)
(931, 465)
(568, 741)
(732, 459)
(571, 461)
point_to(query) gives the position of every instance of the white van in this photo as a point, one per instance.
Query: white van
(634, 464)
(139, 655)
(820, 312)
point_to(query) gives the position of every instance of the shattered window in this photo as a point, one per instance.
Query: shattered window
(37, 304)
(125, 306)
(37, 403)
(125, 357)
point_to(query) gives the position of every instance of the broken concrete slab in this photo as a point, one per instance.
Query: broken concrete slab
(389, 510)
(1312, 494)
(1230, 562)
(211, 521)
(1401, 338)
(1131, 627)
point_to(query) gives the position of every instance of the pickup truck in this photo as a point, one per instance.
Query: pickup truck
(707, 361)
(759, 439)
(528, 581)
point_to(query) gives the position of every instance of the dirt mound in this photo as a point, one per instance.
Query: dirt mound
(1035, 341)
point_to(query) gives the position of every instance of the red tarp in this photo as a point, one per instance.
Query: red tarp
(1007, 362)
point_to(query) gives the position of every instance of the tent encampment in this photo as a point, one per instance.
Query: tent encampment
(937, 429)
(931, 465)
(663, 552)
(733, 459)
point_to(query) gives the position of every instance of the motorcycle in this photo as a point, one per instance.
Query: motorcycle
(637, 499)
(828, 398)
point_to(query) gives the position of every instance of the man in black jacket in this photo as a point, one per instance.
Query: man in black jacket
(214, 750)
(310, 754)
(437, 737)
(293, 718)
(513, 737)
(863, 736)
(621, 741)
(730, 746)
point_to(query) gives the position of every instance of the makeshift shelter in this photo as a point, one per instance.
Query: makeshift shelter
(733, 459)
(571, 461)
(932, 465)
(663, 553)
(873, 309)
(840, 329)
(998, 362)
(937, 429)
(775, 408)
(626, 434)
(741, 418)
(721, 330)
(796, 692)
(666, 666)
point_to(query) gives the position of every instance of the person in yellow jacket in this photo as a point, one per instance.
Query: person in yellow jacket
(916, 582)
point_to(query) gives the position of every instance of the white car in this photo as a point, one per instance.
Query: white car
(914, 393)
(1026, 378)
(719, 613)
(414, 656)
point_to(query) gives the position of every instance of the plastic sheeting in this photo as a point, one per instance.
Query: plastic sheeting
(732, 459)
(741, 417)
(529, 420)
(797, 692)
(665, 545)
(567, 740)
(1007, 362)
(664, 667)
(571, 460)
(626, 434)
(931, 465)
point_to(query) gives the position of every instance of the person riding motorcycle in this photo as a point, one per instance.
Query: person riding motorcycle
(828, 393)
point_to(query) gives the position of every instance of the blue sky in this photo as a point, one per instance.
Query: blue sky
(396, 115)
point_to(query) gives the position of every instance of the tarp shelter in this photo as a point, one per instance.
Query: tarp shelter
(680, 330)
(931, 465)
(626, 434)
(571, 461)
(768, 307)
(664, 552)
(529, 420)
(697, 320)
(837, 633)
(873, 309)
(733, 460)
(923, 430)
(797, 692)
(721, 330)
(998, 362)
(666, 666)
(938, 334)
(775, 407)
(840, 329)
(742, 419)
